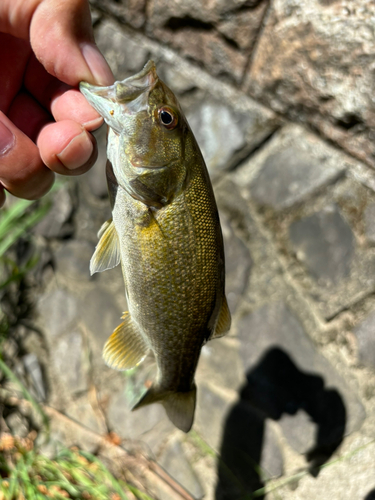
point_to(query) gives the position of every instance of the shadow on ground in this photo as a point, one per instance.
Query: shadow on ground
(275, 386)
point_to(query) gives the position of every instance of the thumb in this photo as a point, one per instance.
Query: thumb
(62, 39)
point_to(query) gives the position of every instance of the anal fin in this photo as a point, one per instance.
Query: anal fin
(126, 347)
(107, 251)
(223, 323)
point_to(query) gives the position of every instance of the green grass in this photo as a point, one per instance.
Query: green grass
(15, 222)
(73, 474)
(18, 218)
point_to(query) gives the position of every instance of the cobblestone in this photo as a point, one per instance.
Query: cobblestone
(226, 134)
(101, 315)
(293, 166)
(301, 68)
(175, 462)
(67, 359)
(324, 242)
(369, 217)
(57, 309)
(286, 373)
(366, 340)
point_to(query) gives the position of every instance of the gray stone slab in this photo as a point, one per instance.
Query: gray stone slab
(300, 430)
(324, 242)
(238, 263)
(18, 424)
(101, 315)
(158, 435)
(294, 165)
(220, 364)
(286, 374)
(226, 134)
(67, 360)
(314, 63)
(35, 373)
(271, 459)
(124, 55)
(81, 411)
(57, 310)
(73, 259)
(249, 453)
(132, 12)
(365, 333)
(349, 479)
(56, 224)
(174, 79)
(242, 26)
(132, 425)
(218, 132)
(217, 34)
(210, 415)
(369, 219)
(174, 461)
(329, 255)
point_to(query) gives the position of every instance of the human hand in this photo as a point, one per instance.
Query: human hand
(46, 48)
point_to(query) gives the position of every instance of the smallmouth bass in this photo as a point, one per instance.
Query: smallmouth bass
(165, 232)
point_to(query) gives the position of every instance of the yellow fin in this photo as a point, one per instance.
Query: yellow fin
(126, 347)
(104, 227)
(223, 323)
(107, 251)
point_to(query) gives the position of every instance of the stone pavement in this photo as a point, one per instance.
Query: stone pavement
(280, 96)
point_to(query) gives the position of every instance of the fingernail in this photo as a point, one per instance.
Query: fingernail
(97, 64)
(93, 124)
(7, 139)
(77, 152)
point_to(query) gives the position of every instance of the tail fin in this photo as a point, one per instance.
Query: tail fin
(180, 406)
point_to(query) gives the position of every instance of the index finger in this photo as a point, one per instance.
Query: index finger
(64, 102)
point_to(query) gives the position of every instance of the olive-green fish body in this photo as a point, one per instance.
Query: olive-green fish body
(165, 231)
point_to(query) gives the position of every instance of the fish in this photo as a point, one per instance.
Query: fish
(165, 232)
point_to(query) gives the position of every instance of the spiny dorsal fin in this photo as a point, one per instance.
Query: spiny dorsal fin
(126, 347)
(223, 323)
(107, 251)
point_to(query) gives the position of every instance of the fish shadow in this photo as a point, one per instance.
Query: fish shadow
(275, 387)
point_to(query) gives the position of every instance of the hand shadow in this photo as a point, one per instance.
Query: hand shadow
(275, 386)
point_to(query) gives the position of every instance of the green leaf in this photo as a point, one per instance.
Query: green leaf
(20, 227)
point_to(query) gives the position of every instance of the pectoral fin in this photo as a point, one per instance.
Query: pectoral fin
(126, 347)
(107, 251)
(223, 323)
(146, 195)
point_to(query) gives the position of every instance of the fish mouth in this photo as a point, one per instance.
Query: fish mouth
(125, 91)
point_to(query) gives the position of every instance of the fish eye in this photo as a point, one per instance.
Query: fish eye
(168, 118)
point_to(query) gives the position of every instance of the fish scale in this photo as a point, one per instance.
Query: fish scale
(165, 232)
